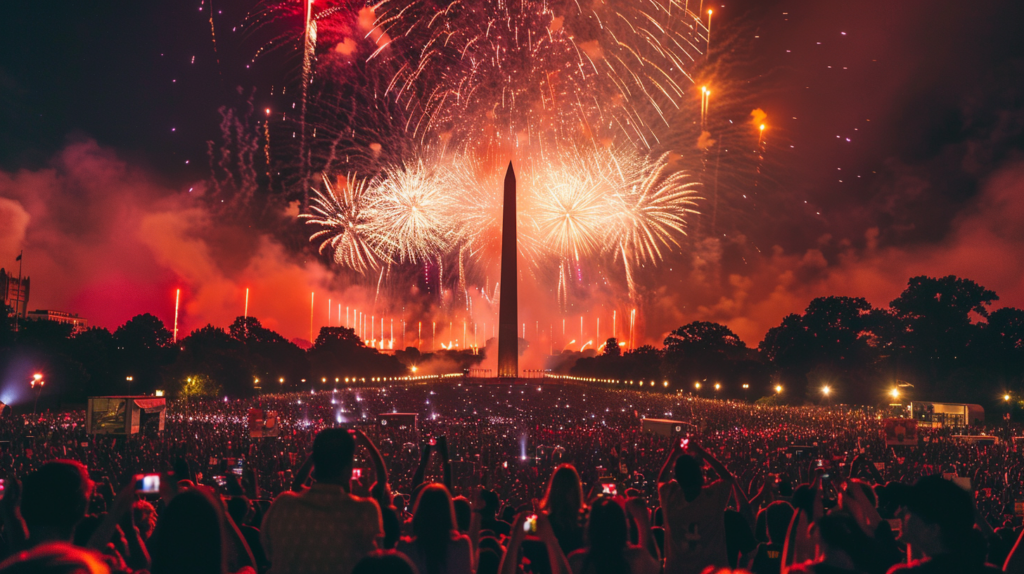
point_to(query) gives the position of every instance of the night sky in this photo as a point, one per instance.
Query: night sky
(895, 132)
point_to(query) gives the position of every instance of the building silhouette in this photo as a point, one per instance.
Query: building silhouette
(15, 293)
(79, 324)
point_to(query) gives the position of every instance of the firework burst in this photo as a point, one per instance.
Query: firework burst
(413, 214)
(346, 223)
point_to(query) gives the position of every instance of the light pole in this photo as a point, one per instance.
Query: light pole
(129, 378)
(37, 385)
(1009, 409)
(826, 391)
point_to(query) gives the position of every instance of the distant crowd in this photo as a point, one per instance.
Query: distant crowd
(532, 478)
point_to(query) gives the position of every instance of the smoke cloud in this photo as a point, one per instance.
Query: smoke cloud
(105, 240)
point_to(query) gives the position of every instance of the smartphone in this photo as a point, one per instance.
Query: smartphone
(220, 480)
(530, 526)
(683, 443)
(357, 473)
(609, 489)
(147, 483)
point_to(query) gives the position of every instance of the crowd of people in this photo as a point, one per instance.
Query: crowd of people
(506, 478)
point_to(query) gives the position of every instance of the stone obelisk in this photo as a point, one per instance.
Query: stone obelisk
(508, 304)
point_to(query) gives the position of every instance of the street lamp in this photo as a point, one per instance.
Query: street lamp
(281, 380)
(895, 393)
(129, 378)
(696, 386)
(778, 388)
(37, 385)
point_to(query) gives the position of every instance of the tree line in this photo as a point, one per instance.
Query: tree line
(939, 340)
(140, 357)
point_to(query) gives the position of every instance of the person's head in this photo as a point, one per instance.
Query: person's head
(54, 558)
(488, 562)
(333, 449)
(843, 542)
(145, 517)
(433, 524)
(938, 516)
(54, 499)
(491, 502)
(866, 489)
(433, 511)
(491, 543)
(688, 474)
(803, 499)
(239, 508)
(190, 536)
(777, 516)
(761, 526)
(463, 513)
(607, 537)
(384, 562)
(564, 497)
(508, 513)
(606, 526)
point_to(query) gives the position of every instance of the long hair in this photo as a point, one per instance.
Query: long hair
(190, 536)
(563, 500)
(433, 525)
(607, 537)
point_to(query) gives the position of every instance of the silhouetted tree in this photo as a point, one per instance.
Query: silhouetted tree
(611, 348)
(144, 349)
(217, 357)
(709, 352)
(270, 356)
(830, 344)
(935, 349)
(339, 353)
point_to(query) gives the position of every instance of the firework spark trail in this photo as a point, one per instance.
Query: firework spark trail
(587, 96)
(538, 67)
(345, 222)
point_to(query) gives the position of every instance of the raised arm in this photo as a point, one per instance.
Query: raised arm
(665, 474)
(417, 479)
(638, 512)
(446, 465)
(302, 475)
(558, 562)
(10, 512)
(122, 504)
(510, 561)
(382, 490)
(1015, 560)
(722, 472)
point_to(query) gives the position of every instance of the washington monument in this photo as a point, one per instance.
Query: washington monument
(508, 304)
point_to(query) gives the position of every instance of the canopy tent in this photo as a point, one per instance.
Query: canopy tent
(125, 414)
